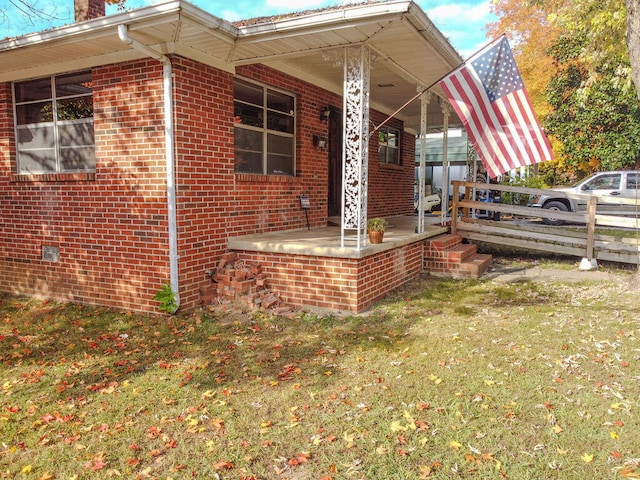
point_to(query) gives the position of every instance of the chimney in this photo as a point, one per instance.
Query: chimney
(88, 9)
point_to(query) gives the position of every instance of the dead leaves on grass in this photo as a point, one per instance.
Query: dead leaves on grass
(374, 417)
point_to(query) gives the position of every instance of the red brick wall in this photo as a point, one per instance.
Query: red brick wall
(338, 283)
(391, 186)
(271, 203)
(7, 146)
(214, 202)
(111, 227)
(88, 9)
(383, 178)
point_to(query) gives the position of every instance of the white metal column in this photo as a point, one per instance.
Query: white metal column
(444, 201)
(357, 72)
(424, 102)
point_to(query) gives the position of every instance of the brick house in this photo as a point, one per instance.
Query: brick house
(136, 148)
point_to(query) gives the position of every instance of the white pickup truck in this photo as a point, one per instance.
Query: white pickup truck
(620, 184)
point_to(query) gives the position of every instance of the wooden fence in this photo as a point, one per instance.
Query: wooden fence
(578, 237)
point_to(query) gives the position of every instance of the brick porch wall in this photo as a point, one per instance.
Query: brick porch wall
(338, 283)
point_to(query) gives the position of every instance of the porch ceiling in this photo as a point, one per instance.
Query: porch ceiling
(408, 48)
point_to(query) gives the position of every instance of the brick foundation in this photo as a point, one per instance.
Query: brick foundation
(338, 283)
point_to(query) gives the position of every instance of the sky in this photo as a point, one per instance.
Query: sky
(463, 23)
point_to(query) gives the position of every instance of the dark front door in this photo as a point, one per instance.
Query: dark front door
(335, 163)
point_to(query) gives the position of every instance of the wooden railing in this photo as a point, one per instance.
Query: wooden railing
(578, 237)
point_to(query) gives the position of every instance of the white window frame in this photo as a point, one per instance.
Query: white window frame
(86, 151)
(264, 130)
(389, 140)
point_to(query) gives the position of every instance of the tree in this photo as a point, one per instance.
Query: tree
(531, 34)
(529, 29)
(612, 28)
(577, 49)
(594, 113)
(633, 40)
(602, 24)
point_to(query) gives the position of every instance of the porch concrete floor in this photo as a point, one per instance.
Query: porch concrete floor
(325, 241)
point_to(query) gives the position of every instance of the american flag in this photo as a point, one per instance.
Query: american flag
(489, 96)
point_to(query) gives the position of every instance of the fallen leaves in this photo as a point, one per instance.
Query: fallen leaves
(96, 463)
(298, 459)
(632, 471)
(324, 398)
(427, 470)
(587, 457)
(223, 465)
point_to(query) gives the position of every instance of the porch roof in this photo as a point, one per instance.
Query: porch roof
(410, 51)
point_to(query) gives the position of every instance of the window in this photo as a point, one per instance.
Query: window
(633, 180)
(264, 131)
(389, 146)
(54, 124)
(604, 182)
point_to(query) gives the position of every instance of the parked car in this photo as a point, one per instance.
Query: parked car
(429, 201)
(620, 184)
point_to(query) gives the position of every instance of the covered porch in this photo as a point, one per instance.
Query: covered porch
(377, 72)
(310, 267)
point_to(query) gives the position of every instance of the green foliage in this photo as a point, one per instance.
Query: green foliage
(595, 114)
(602, 26)
(376, 224)
(567, 48)
(511, 198)
(591, 118)
(555, 174)
(167, 299)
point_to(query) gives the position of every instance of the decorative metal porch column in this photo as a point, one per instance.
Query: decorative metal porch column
(424, 102)
(357, 73)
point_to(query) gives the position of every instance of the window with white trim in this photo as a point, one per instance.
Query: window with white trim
(389, 146)
(264, 129)
(54, 124)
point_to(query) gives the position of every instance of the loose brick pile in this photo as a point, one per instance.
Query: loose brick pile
(235, 279)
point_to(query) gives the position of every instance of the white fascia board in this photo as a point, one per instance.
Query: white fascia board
(209, 22)
(326, 20)
(146, 16)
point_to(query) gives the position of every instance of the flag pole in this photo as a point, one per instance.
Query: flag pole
(424, 90)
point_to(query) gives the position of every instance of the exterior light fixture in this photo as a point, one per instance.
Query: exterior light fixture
(325, 113)
(319, 142)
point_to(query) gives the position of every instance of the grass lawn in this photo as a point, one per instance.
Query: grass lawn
(444, 379)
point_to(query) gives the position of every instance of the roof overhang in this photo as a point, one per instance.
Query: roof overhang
(410, 52)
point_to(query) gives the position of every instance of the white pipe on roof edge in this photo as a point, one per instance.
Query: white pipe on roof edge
(167, 73)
